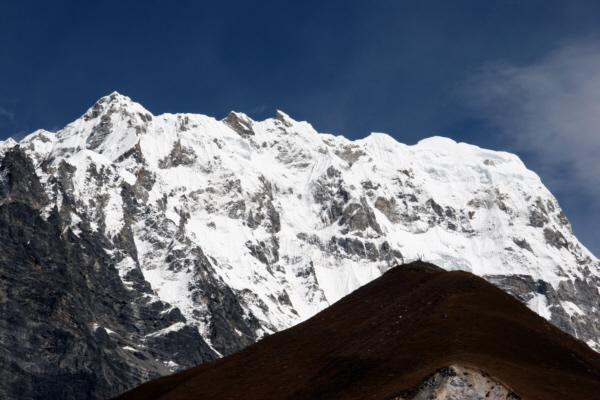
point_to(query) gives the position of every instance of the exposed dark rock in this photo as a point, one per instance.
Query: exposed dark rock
(333, 172)
(230, 328)
(522, 243)
(537, 219)
(356, 247)
(458, 383)
(392, 256)
(329, 191)
(146, 117)
(70, 328)
(265, 212)
(555, 238)
(239, 123)
(450, 212)
(435, 207)
(387, 208)
(95, 111)
(364, 249)
(180, 155)
(581, 293)
(99, 132)
(135, 153)
(184, 123)
(538, 216)
(500, 200)
(237, 209)
(350, 153)
(19, 182)
(283, 119)
(368, 185)
(562, 218)
(358, 217)
(259, 251)
(53, 292)
(180, 343)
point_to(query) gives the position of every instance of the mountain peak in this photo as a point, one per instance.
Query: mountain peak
(240, 123)
(110, 127)
(283, 117)
(115, 101)
(6, 145)
(437, 142)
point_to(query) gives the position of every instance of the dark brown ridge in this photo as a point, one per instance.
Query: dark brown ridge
(390, 335)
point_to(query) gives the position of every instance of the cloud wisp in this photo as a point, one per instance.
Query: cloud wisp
(549, 110)
(7, 114)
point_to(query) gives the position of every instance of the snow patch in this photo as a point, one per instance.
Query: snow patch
(571, 308)
(539, 305)
(172, 328)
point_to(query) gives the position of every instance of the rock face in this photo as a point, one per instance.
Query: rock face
(459, 383)
(70, 326)
(222, 232)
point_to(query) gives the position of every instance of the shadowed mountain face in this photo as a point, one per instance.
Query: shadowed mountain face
(60, 293)
(416, 332)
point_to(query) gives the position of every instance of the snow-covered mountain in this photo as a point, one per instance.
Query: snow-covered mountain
(248, 227)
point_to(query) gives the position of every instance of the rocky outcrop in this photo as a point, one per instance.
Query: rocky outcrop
(459, 383)
(180, 155)
(572, 305)
(240, 123)
(19, 182)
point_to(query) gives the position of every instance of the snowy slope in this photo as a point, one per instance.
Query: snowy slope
(249, 227)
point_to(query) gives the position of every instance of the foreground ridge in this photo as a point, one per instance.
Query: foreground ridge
(416, 331)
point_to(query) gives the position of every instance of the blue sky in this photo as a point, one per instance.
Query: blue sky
(507, 75)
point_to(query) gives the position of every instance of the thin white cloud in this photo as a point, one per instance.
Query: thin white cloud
(550, 110)
(7, 114)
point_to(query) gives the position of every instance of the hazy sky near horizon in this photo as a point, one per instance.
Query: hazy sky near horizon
(520, 76)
